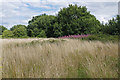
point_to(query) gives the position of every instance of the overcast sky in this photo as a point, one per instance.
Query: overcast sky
(13, 12)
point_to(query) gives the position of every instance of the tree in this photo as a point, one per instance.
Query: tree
(16, 26)
(77, 20)
(112, 27)
(19, 31)
(7, 34)
(69, 21)
(118, 24)
(42, 22)
(2, 29)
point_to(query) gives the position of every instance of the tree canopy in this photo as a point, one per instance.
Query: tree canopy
(72, 20)
(2, 28)
(39, 24)
(19, 31)
(112, 27)
(77, 20)
(7, 34)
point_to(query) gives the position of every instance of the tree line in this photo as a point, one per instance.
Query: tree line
(72, 20)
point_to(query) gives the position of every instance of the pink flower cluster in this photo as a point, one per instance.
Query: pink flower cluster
(75, 36)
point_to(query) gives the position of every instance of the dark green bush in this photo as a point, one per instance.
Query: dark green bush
(102, 37)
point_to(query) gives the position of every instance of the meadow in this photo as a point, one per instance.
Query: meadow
(0, 58)
(59, 58)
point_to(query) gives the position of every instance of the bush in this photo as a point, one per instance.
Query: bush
(7, 34)
(20, 31)
(102, 37)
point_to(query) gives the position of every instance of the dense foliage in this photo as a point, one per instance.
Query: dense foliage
(41, 24)
(73, 20)
(19, 31)
(7, 34)
(77, 20)
(112, 27)
(2, 28)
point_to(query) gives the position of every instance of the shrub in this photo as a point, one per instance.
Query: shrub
(20, 31)
(7, 34)
(75, 36)
(2, 29)
(102, 37)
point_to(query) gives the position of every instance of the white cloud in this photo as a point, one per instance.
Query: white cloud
(15, 13)
(103, 11)
(39, 5)
(104, 18)
(18, 12)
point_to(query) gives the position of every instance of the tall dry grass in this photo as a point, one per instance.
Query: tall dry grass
(59, 59)
(0, 58)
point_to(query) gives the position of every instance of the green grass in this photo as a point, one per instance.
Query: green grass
(0, 36)
(102, 37)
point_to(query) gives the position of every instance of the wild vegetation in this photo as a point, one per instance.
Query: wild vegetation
(72, 20)
(59, 58)
(0, 59)
(0, 36)
(71, 44)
